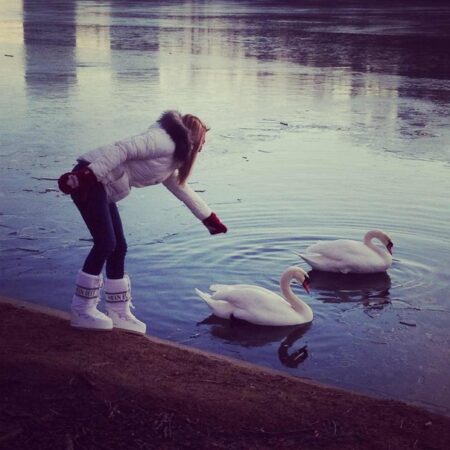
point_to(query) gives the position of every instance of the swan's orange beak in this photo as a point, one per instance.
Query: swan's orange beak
(305, 285)
(389, 246)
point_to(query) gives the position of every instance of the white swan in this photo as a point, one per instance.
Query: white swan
(260, 306)
(347, 256)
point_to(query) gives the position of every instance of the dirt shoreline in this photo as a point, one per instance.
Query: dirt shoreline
(65, 388)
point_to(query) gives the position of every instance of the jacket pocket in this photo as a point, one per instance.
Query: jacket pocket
(118, 189)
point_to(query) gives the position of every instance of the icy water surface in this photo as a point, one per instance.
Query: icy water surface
(325, 122)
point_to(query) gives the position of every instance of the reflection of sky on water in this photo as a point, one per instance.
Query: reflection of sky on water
(207, 50)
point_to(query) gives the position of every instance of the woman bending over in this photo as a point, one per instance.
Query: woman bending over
(166, 154)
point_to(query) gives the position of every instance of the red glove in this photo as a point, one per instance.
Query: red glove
(79, 181)
(214, 225)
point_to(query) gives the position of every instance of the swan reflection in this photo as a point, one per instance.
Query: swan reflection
(293, 359)
(372, 290)
(245, 334)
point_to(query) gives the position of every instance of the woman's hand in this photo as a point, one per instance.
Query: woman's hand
(79, 181)
(214, 225)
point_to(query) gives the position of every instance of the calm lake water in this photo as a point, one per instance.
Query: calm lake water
(325, 122)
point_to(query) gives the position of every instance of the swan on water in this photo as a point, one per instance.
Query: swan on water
(349, 256)
(259, 305)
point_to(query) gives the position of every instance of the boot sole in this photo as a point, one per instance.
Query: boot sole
(140, 333)
(81, 327)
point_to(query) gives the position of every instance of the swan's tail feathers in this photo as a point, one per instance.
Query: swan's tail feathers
(301, 255)
(220, 308)
(203, 295)
(310, 258)
(305, 258)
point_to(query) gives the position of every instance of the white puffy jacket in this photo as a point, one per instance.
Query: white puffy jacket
(139, 161)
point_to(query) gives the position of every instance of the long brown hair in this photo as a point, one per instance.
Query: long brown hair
(197, 131)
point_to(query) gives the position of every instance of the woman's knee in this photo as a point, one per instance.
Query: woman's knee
(121, 248)
(105, 247)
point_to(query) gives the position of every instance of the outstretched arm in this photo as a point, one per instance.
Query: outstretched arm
(196, 204)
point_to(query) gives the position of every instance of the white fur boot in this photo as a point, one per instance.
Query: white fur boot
(118, 302)
(84, 312)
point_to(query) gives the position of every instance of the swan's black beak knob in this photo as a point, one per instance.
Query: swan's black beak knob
(305, 285)
(389, 246)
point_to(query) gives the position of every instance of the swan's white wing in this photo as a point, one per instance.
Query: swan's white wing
(255, 316)
(344, 256)
(271, 313)
(324, 263)
(336, 249)
(246, 296)
(221, 290)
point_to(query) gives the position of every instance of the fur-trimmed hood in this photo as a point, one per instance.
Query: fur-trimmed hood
(172, 123)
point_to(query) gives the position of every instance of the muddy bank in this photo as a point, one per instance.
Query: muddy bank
(62, 388)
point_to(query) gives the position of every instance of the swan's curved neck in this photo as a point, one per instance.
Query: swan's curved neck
(374, 235)
(285, 284)
(371, 235)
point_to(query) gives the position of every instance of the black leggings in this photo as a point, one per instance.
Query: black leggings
(104, 224)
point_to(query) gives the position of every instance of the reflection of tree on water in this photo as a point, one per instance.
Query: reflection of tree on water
(343, 37)
(49, 45)
(372, 290)
(245, 334)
